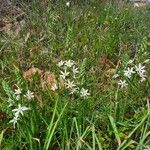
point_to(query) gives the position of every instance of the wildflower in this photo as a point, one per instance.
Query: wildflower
(130, 61)
(84, 93)
(75, 70)
(69, 63)
(140, 69)
(67, 4)
(20, 110)
(69, 84)
(129, 72)
(11, 102)
(64, 74)
(73, 90)
(14, 121)
(54, 87)
(17, 91)
(122, 83)
(143, 77)
(29, 95)
(17, 97)
(61, 63)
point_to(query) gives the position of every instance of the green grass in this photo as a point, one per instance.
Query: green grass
(101, 38)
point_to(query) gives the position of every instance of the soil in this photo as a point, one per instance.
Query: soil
(9, 14)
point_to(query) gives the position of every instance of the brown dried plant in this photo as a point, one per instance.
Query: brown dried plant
(47, 79)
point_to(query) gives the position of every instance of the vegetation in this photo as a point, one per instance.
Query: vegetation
(99, 94)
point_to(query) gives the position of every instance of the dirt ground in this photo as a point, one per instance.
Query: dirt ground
(9, 14)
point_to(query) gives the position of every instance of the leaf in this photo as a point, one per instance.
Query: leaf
(82, 72)
(6, 88)
(1, 136)
(115, 129)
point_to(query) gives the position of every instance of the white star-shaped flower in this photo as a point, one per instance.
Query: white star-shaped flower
(122, 83)
(73, 90)
(69, 63)
(140, 69)
(60, 64)
(20, 110)
(69, 84)
(143, 77)
(64, 74)
(17, 91)
(14, 121)
(130, 61)
(29, 95)
(18, 97)
(75, 70)
(84, 93)
(11, 102)
(129, 72)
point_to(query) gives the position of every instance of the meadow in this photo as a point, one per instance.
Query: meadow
(76, 77)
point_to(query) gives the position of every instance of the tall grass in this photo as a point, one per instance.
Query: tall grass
(101, 37)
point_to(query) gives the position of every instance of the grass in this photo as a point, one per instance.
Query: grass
(101, 38)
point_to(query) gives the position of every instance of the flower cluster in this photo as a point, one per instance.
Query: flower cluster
(139, 69)
(18, 93)
(16, 99)
(132, 70)
(17, 112)
(69, 73)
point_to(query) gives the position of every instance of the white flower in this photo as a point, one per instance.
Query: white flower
(73, 90)
(136, 5)
(84, 93)
(20, 110)
(17, 97)
(17, 91)
(64, 74)
(75, 70)
(69, 84)
(54, 87)
(143, 77)
(69, 63)
(130, 61)
(29, 95)
(67, 4)
(61, 63)
(122, 83)
(140, 69)
(129, 72)
(14, 120)
(11, 102)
